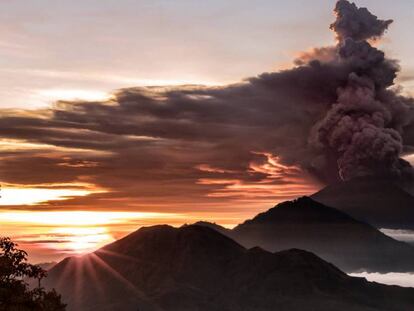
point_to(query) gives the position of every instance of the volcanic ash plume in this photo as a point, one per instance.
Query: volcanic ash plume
(363, 129)
(335, 114)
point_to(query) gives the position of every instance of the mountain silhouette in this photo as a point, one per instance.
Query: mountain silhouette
(162, 268)
(350, 244)
(382, 203)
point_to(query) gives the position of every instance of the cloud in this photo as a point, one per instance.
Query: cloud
(400, 235)
(400, 279)
(151, 142)
(332, 115)
(357, 23)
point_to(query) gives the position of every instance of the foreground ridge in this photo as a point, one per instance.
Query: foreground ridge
(198, 268)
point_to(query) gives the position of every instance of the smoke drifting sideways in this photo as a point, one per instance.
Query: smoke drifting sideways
(335, 115)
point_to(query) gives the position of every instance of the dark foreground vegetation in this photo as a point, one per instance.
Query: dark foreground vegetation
(15, 293)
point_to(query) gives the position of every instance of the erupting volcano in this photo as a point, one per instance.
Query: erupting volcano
(337, 123)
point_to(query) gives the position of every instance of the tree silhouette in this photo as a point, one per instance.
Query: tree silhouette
(15, 294)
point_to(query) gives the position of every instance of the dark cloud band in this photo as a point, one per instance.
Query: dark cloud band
(332, 116)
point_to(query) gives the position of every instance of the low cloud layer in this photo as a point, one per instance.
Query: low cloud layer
(400, 235)
(271, 137)
(400, 279)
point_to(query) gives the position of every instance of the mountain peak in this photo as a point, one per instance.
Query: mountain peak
(382, 203)
(212, 225)
(196, 268)
(188, 243)
(307, 224)
(300, 211)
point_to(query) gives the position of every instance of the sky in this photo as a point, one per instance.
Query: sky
(81, 165)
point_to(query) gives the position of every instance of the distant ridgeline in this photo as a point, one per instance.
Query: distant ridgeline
(162, 268)
(207, 267)
(350, 244)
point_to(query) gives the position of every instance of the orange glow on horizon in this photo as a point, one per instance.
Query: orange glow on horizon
(81, 240)
(38, 194)
(53, 234)
(78, 218)
(66, 233)
(31, 196)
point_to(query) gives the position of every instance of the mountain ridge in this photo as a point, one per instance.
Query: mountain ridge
(162, 268)
(303, 223)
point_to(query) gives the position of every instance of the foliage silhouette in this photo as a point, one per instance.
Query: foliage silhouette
(15, 293)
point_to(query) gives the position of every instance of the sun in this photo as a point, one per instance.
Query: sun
(67, 233)
(81, 240)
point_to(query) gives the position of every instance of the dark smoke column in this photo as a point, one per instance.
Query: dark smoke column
(363, 129)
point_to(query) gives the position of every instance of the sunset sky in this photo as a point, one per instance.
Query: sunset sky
(90, 152)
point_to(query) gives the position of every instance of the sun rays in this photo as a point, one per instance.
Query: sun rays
(93, 266)
(67, 233)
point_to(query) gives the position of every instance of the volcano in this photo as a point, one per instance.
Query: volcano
(163, 268)
(303, 223)
(383, 204)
